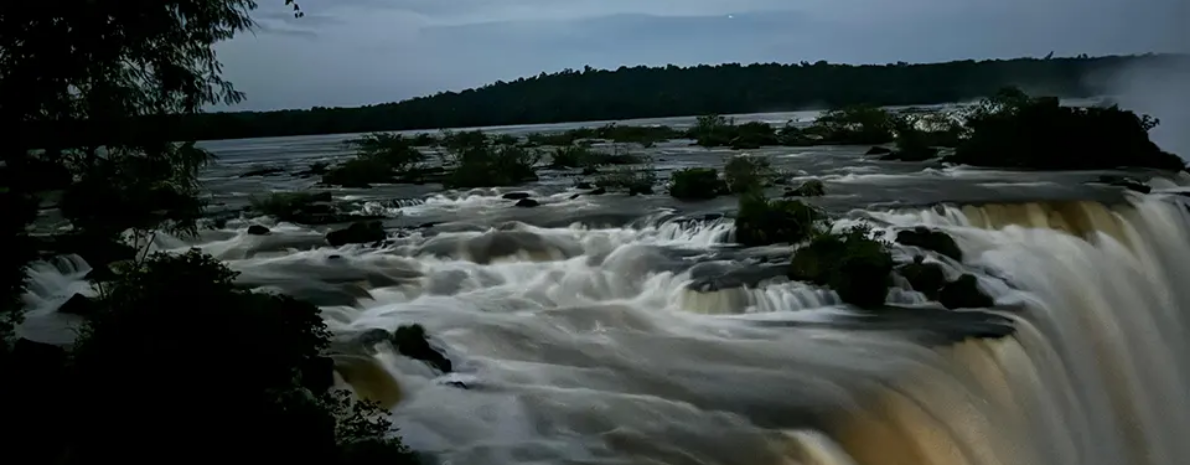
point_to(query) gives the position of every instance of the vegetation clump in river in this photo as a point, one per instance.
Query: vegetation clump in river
(696, 184)
(857, 267)
(1014, 130)
(761, 221)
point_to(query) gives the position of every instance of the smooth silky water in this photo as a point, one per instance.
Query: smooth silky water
(617, 330)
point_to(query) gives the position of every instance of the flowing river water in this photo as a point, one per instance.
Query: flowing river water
(631, 330)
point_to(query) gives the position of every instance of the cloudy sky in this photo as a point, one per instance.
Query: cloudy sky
(357, 52)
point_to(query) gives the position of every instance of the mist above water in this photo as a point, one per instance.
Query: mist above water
(1162, 91)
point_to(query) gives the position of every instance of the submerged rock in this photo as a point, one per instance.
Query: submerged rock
(257, 230)
(517, 195)
(964, 293)
(411, 341)
(527, 203)
(930, 239)
(357, 233)
(878, 151)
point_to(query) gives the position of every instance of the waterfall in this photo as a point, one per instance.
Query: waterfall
(661, 342)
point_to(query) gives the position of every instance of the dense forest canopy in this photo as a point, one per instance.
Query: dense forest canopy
(642, 92)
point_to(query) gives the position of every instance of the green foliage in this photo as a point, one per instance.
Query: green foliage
(230, 353)
(485, 165)
(578, 156)
(632, 181)
(1014, 130)
(359, 173)
(761, 221)
(938, 128)
(855, 266)
(391, 150)
(380, 158)
(856, 125)
(297, 207)
(753, 135)
(792, 136)
(712, 131)
(462, 141)
(124, 188)
(92, 92)
(745, 173)
(696, 184)
(643, 92)
(571, 156)
(913, 144)
(719, 131)
(646, 136)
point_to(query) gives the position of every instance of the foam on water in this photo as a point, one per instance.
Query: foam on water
(659, 342)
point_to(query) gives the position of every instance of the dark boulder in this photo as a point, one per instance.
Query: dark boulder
(930, 239)
(964, 293)
(257, 230)
(357, 233)
(598, 191)
(79, 305)
(411, 341)
(926, 278)
(878, 151)
(517, 195)
(527, 203)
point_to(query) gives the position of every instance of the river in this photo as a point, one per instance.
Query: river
(631, 330)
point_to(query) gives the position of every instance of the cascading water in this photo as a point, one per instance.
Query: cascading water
(661, 342)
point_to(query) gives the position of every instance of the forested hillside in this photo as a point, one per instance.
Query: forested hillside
(640, 92)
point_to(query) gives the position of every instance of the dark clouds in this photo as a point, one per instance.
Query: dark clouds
(351, 52)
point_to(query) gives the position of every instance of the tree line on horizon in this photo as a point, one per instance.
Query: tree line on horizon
(647, 92)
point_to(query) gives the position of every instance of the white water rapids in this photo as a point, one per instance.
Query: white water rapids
(628, 345)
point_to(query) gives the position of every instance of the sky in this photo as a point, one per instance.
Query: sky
(360, 52)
